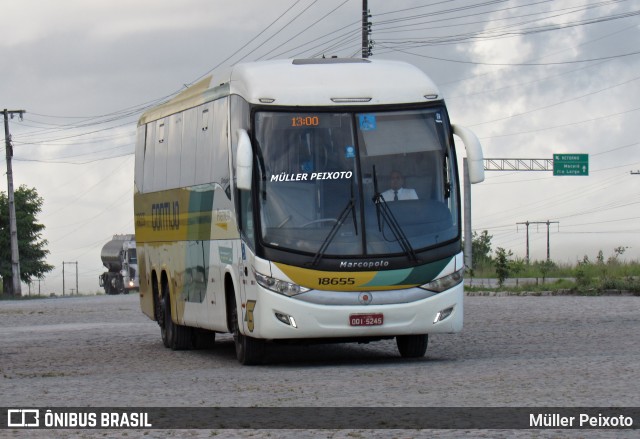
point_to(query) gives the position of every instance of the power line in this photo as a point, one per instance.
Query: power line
(564, 126)
(440, 12)
(135, 110)
(403, 28)
(249, 42)
(306, 29)
(315, 40)
(86, 162)
(495, 33)
(622, 55)
(560, 102)
(280, 30)
(591, 41)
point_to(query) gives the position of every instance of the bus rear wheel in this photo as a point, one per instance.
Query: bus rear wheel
(249, 350)
(174, 336)
(412, 346)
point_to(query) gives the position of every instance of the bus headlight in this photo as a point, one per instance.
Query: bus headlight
(279, 286)
(445, 282)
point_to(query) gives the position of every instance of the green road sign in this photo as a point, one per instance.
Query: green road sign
(571, 164)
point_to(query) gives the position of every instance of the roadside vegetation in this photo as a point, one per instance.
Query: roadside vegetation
(31, 246)
(26, 296)
(588, 276)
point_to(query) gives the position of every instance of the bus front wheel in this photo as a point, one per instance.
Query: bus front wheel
(412, 346)
(249, 350)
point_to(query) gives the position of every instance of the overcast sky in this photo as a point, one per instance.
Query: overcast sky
(531, 78)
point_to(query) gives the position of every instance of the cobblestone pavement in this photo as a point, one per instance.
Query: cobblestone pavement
(514, 351)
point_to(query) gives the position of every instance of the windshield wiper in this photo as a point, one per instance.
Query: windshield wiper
(383, 210)
(350, 207)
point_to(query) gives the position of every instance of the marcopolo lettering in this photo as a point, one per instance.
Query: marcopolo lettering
(165, 216)
(364, 264)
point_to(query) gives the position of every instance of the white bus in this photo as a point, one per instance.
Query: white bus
(302, 200)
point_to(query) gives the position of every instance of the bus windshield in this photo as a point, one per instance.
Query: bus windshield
(359, 184)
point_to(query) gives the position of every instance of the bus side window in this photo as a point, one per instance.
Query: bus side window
(139, 164)
(149, 153)
(174, 150)
(204, 144)
(188, 157)
(160, 157)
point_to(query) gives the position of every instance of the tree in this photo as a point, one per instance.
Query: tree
(516, 267)
(481, 246)
(545, 267)
(480, 250)
(502, 264)
(617, 252)
(31, 246)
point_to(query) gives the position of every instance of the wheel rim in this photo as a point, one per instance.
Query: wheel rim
(237, 337)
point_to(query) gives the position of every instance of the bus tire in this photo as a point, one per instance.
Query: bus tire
(162, 321)
(174, 336)
(203, 339)
(412, 346)
(249, 350)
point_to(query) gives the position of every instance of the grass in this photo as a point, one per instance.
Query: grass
(27, 296)
(611, 269)
(585, 277)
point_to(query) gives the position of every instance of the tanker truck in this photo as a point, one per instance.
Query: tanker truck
(119, 257)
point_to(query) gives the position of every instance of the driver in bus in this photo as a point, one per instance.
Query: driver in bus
(398, 192)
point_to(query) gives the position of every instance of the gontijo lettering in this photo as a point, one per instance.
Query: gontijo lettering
(165, 215)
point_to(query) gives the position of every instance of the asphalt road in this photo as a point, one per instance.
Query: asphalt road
(513, 351)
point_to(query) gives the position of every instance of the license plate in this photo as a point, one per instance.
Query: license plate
(366, 319)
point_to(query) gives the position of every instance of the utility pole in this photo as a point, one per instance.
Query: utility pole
(70, 263)
(13, 228)
(366, 30)
(526, 223)
(548, 223)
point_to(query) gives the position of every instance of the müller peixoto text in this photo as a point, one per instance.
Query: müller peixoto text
(584, 420)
